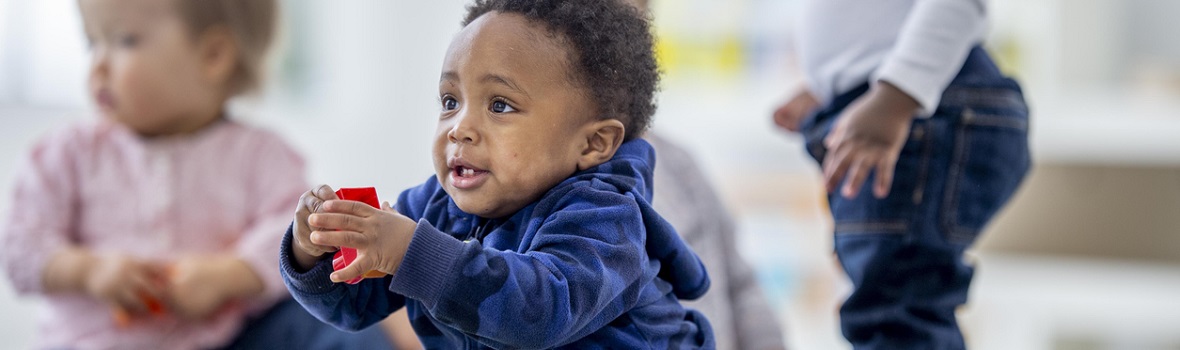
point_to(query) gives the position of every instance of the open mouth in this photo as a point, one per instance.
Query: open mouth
(464, 176)
(463, 171)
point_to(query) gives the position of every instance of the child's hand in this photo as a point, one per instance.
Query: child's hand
(306, 253)
(790, 114)
(868, 137)
(126, 283)
(200, 285)
(380, 237)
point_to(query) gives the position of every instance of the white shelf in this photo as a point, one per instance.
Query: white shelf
(1106, 126)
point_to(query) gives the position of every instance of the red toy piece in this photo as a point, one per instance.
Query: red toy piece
(345, 256)
(123, 318)
(155, 307)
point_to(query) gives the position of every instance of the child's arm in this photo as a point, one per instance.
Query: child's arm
(37, 247)
(126, 283)
(247, 271)
(201, 285)
(586, 266)
(791, 113)
(931, 47)
(868, 137)
(38, 227)
(349, 307)
(930, 50)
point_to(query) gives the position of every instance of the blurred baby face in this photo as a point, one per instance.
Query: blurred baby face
(145, 67)
(512, 121)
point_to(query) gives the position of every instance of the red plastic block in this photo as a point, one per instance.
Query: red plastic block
(345, 256)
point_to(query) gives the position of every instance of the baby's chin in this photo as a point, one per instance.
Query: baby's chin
(482, 208)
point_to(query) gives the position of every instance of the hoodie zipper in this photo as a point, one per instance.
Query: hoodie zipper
(481, 229)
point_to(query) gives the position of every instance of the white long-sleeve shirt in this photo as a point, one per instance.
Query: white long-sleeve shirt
(916, 45)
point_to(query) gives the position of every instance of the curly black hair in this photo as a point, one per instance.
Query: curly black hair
(612, 53)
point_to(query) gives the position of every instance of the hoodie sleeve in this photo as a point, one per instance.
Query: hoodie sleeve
(585, 266)
(344, 306)
(350, 307)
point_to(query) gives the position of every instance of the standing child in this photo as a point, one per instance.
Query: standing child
(915, 111)
(536, 231)
(156, 226)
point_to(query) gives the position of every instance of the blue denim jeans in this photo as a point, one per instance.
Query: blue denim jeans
(904, 253)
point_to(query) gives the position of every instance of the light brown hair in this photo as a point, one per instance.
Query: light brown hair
(251, 23)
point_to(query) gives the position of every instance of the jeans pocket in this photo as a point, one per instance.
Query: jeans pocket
(867, 214)
(990, 160)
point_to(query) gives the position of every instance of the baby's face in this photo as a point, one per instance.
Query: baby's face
(145, 67)
(512, 123)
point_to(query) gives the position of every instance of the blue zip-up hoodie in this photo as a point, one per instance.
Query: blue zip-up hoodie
(589, 265)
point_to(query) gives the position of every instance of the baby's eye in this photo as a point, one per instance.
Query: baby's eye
(128, 40)
(450, 104)
(501, 107)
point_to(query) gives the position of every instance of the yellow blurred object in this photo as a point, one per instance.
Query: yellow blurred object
(716, 58)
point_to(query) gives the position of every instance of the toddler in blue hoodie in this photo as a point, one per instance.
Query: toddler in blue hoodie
(537, 229)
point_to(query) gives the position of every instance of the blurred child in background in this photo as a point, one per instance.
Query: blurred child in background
(736, 306)
(921, 140)
(156, 225)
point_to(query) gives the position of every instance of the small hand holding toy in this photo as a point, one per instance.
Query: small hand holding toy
(377, 237)
(123, 317)
(144, 294)
(345, 256)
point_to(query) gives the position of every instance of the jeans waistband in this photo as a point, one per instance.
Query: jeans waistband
(978, 84)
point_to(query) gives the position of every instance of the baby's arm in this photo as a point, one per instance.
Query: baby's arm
(586, 266)
(931, 48)
(246, 272)
(868, 138)
(346, 306)
(306, 271)
(40, 253)
(129, 284)
(201, 285)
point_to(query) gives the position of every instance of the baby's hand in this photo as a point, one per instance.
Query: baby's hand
(868, 138)
(306, 253)
(198, 285)
(790, 114)
(130, 285)
(380, 236)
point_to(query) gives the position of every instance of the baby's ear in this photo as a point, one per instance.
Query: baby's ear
(219, 54)
(603, 138)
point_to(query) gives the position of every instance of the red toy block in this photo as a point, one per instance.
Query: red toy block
(345, 256)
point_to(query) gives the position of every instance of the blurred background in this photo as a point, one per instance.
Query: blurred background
(1087, 256)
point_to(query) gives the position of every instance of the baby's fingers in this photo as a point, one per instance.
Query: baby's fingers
(331, 221)
(325, 193)
(858, 171)
(835, 166)
(352, 272)
(128, 300)
(135, 295)
(884, 177)
(351, 239)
